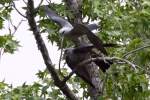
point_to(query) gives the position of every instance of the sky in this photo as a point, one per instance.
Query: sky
(22, 66)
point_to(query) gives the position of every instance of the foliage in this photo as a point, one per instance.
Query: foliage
(125, 23)
(7, 42)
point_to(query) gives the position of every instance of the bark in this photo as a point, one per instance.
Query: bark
(41, 45)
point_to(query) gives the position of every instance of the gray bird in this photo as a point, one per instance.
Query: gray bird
(73, 59)
(73, 32)
(80, 52)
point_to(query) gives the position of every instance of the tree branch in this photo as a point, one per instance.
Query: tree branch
(63, 87)
(40, 3)
(18, 10)
(135, 50)
(15, 27)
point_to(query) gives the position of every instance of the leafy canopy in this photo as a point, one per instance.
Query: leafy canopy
(125, 23)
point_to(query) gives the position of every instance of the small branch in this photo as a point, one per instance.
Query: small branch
(135, 50)
(146, 71)
(48, 1)
(18, 10)
(16, 27)
(38, 7)
(40, 3)
(116, 59)
(25, 2)
(69, 76)
(126, 61)
(61, 53)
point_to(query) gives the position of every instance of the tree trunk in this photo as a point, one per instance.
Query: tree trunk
(75, 6)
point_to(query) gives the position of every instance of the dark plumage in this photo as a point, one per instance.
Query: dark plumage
(90, 49)
(73, 59)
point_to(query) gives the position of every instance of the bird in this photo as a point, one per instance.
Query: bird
(82, 50)
(76, 31)
(73, 59)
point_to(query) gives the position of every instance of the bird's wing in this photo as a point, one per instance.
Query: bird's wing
(92, 26)
(84, 49)
(81, 71)
(96, 41)
(56, 18)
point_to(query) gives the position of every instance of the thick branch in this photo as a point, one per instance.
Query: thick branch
(63, 87)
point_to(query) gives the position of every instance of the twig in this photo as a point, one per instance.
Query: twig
(25, 2)
(48, 1)
(61, 53)
(18, 10)
(69, 76)
(40, 3)
(135, 50)
(109, 58)
(16, 27)
(38, 7)
(124, 60)
(147, 72)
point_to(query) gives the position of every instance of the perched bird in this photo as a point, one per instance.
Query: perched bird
(76, 31)
(73, 59)
(81, 51)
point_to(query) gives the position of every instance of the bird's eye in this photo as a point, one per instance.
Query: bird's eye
(63, 32)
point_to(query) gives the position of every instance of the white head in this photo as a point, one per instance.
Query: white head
(65, 31)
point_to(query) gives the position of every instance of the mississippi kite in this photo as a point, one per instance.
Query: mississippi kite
(73, 32)
(103, 65)
(73, 59)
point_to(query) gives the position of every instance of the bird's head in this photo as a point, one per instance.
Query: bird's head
(65, 31)
(68, 52)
